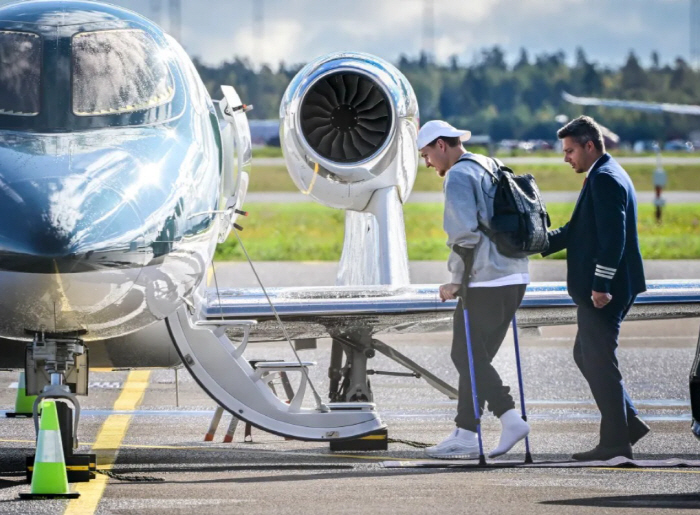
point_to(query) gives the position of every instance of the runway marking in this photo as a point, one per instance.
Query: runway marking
(108, 441)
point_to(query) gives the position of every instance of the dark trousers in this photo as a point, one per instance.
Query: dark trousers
(595, 353)
(490, 313)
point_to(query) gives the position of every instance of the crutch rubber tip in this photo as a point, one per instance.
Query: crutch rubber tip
(209, 437)
(228, 438)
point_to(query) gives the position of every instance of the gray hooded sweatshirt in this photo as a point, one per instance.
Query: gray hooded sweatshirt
(469, 192)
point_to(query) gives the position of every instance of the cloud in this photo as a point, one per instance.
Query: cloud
(299, 30)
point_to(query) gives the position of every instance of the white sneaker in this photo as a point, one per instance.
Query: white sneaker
(461, 444)
(513, 429)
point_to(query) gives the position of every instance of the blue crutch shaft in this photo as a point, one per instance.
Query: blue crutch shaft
(472, 377)
(528, 456)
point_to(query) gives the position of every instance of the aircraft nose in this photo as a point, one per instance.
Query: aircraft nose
(67, 225)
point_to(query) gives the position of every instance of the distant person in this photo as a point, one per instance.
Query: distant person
(496, 288)
(604, 275)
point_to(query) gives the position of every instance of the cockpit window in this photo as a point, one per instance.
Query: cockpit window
(20, 73)
(118, 71)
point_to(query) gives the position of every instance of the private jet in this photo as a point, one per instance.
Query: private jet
(119, 175)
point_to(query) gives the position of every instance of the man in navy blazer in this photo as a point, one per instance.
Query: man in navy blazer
(604, 275)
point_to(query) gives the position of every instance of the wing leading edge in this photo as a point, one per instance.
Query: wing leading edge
(318, 312)
(651, 107)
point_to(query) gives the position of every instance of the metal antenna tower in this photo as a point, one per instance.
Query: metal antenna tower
(259, 30)
(429, 29)
(695, 33)
(175, 9)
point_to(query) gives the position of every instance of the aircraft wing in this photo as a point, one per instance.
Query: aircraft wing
(651, 107)
(318, 312)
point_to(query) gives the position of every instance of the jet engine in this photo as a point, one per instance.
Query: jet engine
(348, 132)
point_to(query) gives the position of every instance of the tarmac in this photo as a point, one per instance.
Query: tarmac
(150, 434)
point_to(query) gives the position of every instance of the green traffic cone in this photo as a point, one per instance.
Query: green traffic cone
(49, 478)
(23, 402)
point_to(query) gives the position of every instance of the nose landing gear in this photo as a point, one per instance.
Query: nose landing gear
(57, 368)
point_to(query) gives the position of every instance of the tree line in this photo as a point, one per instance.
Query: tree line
(518, 101)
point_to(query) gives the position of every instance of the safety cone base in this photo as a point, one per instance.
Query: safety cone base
(70, 495)
(80, 468)
(18, 415)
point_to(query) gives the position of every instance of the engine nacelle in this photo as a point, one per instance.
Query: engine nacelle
(348, 128)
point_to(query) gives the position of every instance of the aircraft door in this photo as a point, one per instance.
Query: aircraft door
(237, 145)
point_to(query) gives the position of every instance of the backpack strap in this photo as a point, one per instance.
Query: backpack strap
(485, 163)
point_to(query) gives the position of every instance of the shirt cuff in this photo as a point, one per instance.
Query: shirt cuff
(603, 278)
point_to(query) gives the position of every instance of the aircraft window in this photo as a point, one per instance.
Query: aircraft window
(20, 73)
(118, 71)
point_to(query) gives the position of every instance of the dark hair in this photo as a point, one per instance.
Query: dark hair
(583, 129)
(450, 141)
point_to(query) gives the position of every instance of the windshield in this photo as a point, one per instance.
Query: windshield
(118, 71)
(20, 73)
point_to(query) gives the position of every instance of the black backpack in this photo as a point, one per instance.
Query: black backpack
(520, 220)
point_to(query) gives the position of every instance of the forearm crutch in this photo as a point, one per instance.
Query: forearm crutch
(528, 456)
(472, 376)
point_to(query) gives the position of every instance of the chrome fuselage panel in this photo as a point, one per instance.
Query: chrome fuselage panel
(104, 229)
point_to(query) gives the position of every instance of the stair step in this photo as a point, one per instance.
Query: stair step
(351, 406)
(221, 323)
(282, 365)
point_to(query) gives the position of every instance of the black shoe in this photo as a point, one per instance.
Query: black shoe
(638, 429)
(601, 453)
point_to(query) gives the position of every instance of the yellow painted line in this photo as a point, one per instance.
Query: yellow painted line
(108, 441)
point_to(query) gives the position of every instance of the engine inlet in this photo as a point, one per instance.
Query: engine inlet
(346, 117)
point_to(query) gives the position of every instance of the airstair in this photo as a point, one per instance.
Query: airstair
(242, 387)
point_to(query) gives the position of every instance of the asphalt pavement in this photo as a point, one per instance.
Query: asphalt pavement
(163, 466)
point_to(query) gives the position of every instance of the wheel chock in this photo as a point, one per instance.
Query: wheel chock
(375, 441)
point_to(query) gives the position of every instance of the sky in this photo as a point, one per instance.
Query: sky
(296, 31)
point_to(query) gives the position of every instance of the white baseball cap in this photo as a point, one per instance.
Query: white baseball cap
(436, 128)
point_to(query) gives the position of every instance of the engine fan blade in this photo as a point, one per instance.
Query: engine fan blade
(337, 146)
(353, 81)
(372, 136)
(364, 89)
(363, 146)
(321, 101)
(325, 89)
(337, 82)
(372, 113)
(373, 125)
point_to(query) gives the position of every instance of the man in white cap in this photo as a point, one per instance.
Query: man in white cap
(496, 286)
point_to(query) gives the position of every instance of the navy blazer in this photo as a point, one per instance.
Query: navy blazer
(601, 238)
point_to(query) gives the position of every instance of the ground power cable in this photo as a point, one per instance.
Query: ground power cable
(319, 403)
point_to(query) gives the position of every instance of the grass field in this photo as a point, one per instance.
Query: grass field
(549, 178)
(277, 152)
(311, 232)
